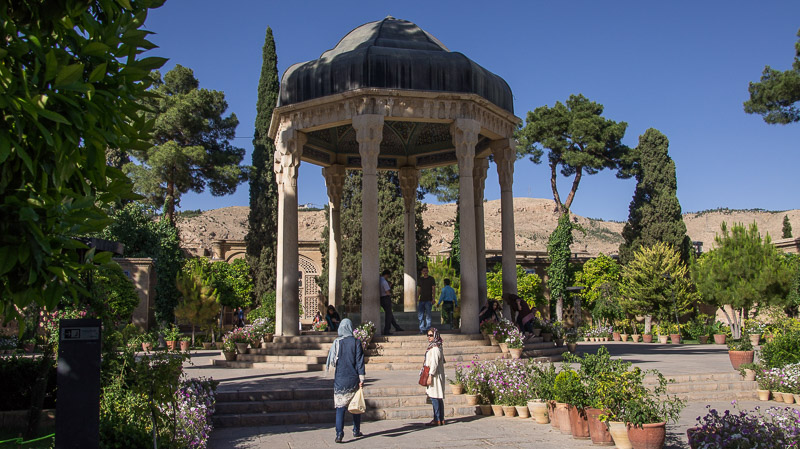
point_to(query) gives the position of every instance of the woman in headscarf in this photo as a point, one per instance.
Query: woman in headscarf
(347, 358)
(434, 358)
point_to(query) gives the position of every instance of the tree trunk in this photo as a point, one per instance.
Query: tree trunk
(560, 309)
(170, 201)
(575, 182)
(577, 311)
(192, 334)
(648, 323)
(554, 186)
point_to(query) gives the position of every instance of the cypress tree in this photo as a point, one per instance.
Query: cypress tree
(654, 213)
(787, 227)
(263, 217)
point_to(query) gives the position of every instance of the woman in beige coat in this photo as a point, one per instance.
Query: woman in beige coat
(434, 358)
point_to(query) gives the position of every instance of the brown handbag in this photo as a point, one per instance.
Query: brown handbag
(423, 375)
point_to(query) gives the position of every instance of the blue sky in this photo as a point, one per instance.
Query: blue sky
(679, 66)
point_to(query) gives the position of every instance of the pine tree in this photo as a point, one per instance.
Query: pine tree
(443, 183)
(390, 236)
(263, 218)
(654, 213)
(787, 227)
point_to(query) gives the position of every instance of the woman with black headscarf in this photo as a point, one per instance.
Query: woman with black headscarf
(347, 357)
(434, 359)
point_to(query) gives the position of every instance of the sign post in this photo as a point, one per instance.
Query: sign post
(78, 397)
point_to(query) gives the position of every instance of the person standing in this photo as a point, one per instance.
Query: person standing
(347, 358)
(434, 359)
(239, 317)
(386, 304)
(426, 288)
(449, 302)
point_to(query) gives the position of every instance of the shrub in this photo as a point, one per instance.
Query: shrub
(782, 350)
(19, 374)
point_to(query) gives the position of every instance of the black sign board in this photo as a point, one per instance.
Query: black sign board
(78, 397)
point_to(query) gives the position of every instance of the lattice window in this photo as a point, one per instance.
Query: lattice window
(309, 290)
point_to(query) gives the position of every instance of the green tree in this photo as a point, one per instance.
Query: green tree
(600, 278)
(145, 236)
(390, 235)
(200, 300)
(233, 283)
(263, 217)
(654, 213)
(743, 272)
(558, 272)
(443, 183)
(114, 293)
(191, 143)
(776, 96)
(529, 285)
(787, 228)
(578, 140)
(71, 78)
(652, 279)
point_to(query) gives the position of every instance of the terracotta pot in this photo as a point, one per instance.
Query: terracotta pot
(509, 411)
(516, 353)
(675, 339)
(578, 423)
(749, 375)
(537, 332)
(719, 339)
(623, 337)
(587, 339)
(457, 389)
(619, 433)
(241, 348)
(563, 418)
(616, 336)
(147, 346)
(740, 357)
(647, 338)
(171, 345)
(493, 340)
(185, 345)
(572, 347)
(504, 347)
(703, 339)
(690, 435)
(755, 339)
(788, 398)
(206, 345)
(229, 355)
(218, 344)
(551, 413)
(597, 429)
(777, 396)
(546, 336)
(486, 410)
(264, 345)
(559, 342)
(538, 410)
(522, 411)
(663, 339)
(649, 436)
(763, 395)
(268, 338)
(497, 410)
(635, 337)
(796, 398)
(472, 399)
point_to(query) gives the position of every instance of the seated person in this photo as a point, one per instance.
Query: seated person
(490, 312)
(332, 317)
(317, 318)
(525, 317)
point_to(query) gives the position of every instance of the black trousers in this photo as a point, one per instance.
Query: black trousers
(386, 305)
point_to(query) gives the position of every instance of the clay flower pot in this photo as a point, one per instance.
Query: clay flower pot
(206, 345)
(719, 339)
(516, 353)
(740, 357)
(509, 411)
(777, 396)
(218, 344)
(268, 338)
(663, 339)
(616, 336)
(171, 344)
(675, 339)
(647, 338)
(522, 411)
(563, 418)
(578, 423)
(572, 347)
(493, 340)
(537, 332)
(623, 337)
(690, 435)
(241, 348)
(619, 433)
(472, 399)
(538, 410)
(497, 410)
(703, 339)
(551, 413)
(486, 409)
(649, 436)
(749, 375)
(763, 395)
(457, 388)
(185, 345)
(597, 429)
(229, 355)
(504, 347)
(147, 346)
(755, 339)
(635, 337)
(788, 398)
(546, 336)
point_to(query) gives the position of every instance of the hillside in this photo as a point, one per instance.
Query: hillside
(534, 220)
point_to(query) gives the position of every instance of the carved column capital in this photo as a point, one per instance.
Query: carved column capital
(504, 156)
(369, 134)
(479, 178)
(288, 149)
(334, 180)
(409, 180)
(465, 138)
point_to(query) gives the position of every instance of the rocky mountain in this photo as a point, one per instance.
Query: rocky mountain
(534, 220)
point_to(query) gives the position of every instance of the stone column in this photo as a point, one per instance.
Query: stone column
(479, 184)
(504, 156)
(334, 179)
(369, 133)
(465, 137)
(288, 149)
(408, 185)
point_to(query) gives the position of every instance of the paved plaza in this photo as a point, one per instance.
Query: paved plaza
(467, 432)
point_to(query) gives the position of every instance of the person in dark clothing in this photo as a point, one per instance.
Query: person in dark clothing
(332, 318)
(347, 357)
(524, 315)
(491, 312)
(386, 304)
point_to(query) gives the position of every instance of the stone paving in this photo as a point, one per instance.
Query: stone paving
(672, 360)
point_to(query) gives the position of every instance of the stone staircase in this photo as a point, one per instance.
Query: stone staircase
(710, 387)
(315, 405)
(403, 351)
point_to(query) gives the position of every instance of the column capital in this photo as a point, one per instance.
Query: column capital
(288, 149)
(465, 138)
(504, 155)
(409, 180)
(479, 179)
(369, 134)
(334, 180)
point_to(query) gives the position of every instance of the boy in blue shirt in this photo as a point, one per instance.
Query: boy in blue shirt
(448, 301)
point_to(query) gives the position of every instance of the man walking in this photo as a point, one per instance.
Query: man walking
(426, 286)
(449, 302)
(386, 304)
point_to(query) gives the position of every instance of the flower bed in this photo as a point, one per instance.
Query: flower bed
(774, 428)
(194, 406)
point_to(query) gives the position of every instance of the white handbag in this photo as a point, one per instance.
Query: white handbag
(357, 405)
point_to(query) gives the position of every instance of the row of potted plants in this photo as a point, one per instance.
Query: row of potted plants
(259, 333)
(783, 384)
(603, 399)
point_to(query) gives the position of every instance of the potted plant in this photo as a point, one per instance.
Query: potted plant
(488, 329)
(171, 336)
(320, 326)
(457, 383)
(571, 398)
(515, 343)
(263, 330)
(646, 415)
(146, 340)
(242, 337)
(754, 329)
(207, 341)
(647, 337)
(186, 341)
(748, 371)
(228, 349)
(571, 336)
(764, 384)
(717, 329)
(674, 330)
(740, 351)
(364, 333)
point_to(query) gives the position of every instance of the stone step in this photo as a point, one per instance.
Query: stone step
(317, 337)
(692, 387)
(309, 346)
(288, 406)
(393, 351)
(415, 337)
(284, 366)
(535, 353)
(419, 358)
(290, 351)
(729, 376)
(311, 360)
(703, 396)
